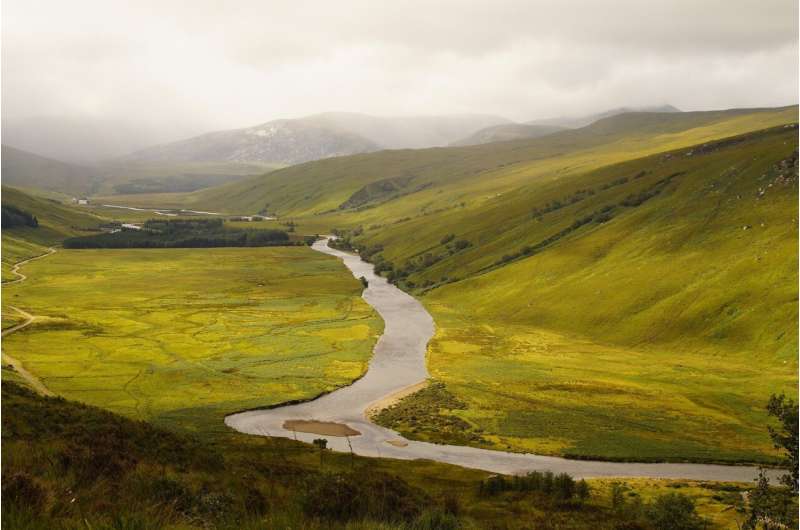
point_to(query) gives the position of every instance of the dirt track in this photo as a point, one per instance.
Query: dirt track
(29, 319)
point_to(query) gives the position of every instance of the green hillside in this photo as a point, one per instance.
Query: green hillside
(626, 290)
(56, 221)
(660, 313)
(416, 181)
(598, 292)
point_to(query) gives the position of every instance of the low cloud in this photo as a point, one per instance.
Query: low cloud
(152, 71)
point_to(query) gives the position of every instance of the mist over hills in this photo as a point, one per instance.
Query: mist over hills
(575, 122)
(29, 170)
(327, 135)
(537, 128)
(507, 132)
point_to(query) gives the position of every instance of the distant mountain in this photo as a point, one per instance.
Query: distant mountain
(411, 132)
(508, 131)
(281, 142)
(28, 170)
(576, 122)
(537, 128)
(289, 142)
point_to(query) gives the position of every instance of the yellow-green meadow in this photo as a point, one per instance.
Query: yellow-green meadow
(185, 336)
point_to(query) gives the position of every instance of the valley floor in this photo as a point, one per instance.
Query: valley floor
(186, 336)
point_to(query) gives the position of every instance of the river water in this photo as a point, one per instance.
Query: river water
(399, 362)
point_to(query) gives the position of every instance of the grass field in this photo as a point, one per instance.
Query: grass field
(654, 331)
(16, 250)
(657, 334)
(182, 337)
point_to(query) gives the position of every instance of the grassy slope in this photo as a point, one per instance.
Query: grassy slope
(57, 221)
(468, 173)
(96, 469)
(639, 320)
(658, 334)
(185, 336)
(21, 168)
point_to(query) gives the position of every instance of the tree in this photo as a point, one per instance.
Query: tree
(617, 497)
(785, 436)
(582, 491)
(322, 443)
(674, 511)
(769, 507)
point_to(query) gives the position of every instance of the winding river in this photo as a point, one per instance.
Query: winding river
(398, 363)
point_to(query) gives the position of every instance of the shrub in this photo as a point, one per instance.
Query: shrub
(674, 511)
(360, 495)
(23, 491)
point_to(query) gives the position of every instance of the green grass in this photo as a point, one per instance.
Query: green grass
(16, 250)
(659, 334)
(183, 337)
(56, 219)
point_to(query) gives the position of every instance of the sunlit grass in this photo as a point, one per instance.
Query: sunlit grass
(186, 336)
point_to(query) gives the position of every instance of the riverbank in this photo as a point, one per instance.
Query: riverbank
(398, 363)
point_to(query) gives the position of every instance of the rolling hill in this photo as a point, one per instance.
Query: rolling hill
(288, 142)
(28, 170)
(56, 221)
(637, 275)
(507, 132)
(419, 181)
(574, 122)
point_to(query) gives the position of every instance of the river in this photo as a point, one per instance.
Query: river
(399, 362)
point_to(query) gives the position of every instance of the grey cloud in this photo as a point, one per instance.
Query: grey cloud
(150, 71)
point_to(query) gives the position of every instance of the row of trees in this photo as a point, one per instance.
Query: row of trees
(13, 217)
(182, 233)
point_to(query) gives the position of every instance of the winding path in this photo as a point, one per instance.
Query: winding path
(28, 320)
(398, 363)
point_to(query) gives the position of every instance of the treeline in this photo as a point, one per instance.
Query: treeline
(599, 216)
(561, 487)
(13, 217)
(580, 195)
(399, 273)
(183, 233)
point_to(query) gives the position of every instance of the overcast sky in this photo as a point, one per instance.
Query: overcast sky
(119, 75)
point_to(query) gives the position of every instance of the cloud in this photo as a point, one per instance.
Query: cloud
(160, 70)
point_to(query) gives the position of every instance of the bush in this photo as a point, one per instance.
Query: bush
(361, 495)
(23, 491)
(674, 511)
(434, 519)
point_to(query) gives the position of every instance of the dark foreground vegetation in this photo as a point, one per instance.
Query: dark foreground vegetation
(182, 233)
(67, 465)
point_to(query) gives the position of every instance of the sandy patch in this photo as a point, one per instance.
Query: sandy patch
(391, 399)
(397, 443)
(325, 428)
